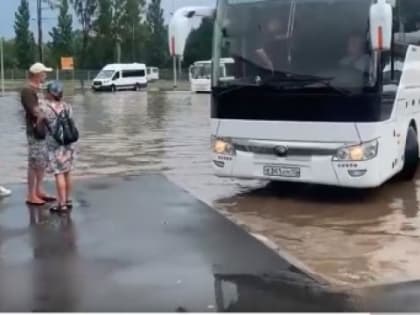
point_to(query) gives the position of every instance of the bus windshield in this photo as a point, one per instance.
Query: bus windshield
(201, 71)
(295, 43)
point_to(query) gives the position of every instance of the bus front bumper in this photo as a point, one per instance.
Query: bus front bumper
(314, 169)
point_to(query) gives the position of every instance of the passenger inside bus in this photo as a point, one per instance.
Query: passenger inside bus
(356, 56)
(272, 53)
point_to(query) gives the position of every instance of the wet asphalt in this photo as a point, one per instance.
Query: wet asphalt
(144, 244)
(349, 239)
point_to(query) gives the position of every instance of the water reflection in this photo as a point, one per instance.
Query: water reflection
(129, 133)
(246, 293)
(55, 261)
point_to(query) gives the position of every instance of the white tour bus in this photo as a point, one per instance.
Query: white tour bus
(115, 77)
(152, 74)
(324, 92)
(200, 74)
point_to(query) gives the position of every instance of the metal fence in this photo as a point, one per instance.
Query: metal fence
(84, 75)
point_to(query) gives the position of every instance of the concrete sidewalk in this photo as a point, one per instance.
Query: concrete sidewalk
(143, 244)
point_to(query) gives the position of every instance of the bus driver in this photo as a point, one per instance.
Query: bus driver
(356, 56)
(273, 49)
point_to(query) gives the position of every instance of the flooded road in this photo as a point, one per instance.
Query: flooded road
(349, 237)
(128, 133)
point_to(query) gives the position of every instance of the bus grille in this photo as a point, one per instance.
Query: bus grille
(292, 151)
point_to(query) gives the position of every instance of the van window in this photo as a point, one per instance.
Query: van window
(133, 73)
(116, 76)
(105, 74)
(155, 70)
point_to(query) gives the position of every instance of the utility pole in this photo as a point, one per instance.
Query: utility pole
(39, 20)
(2, 65)
(174, 68)
(173, 51)
(133, 44)
(180, 67)
(118, 48)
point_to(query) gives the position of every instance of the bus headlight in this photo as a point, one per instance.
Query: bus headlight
(222, 146)
(363, 152)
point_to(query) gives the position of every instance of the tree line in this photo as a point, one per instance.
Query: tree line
(199, 43)
(110, 31)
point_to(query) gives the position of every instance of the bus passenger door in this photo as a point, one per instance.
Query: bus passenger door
(400, 130)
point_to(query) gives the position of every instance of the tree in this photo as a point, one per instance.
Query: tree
(10, 60)
(62, 35)
(24, 41)
(77, 43)
(133, 30)
(199, 43)
(104, 40)
(118, 24)
(85, 11)
(157, 43)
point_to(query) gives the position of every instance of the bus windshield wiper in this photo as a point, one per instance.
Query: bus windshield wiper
(294, 77)
(236, 86)
(288, 79)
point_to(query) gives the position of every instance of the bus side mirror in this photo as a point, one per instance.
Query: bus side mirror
(381, 25)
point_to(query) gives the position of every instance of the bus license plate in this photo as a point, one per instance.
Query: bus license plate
(281, 171)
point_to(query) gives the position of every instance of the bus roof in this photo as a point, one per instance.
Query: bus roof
(202, 62)
(222, 60)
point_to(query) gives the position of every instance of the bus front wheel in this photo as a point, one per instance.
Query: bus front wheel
(411, 155)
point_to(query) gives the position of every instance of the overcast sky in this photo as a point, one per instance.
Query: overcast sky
(9, 7)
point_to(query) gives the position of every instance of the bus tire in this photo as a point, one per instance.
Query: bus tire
(137, 87)
(411, 155)
(113, 88)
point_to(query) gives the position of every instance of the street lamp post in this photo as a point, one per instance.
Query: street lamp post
(2, 65)
(39, 20)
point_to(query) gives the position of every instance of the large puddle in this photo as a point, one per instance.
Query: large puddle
(343, 235)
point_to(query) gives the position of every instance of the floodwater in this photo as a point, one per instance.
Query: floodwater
(348, 237)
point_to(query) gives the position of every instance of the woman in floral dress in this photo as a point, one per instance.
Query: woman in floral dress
(60, 157)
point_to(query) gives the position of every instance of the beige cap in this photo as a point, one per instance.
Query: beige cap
(39, 68)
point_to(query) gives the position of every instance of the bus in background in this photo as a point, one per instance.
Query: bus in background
(316, 98)
(200, 74)
(152, 74)
(116, 77)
